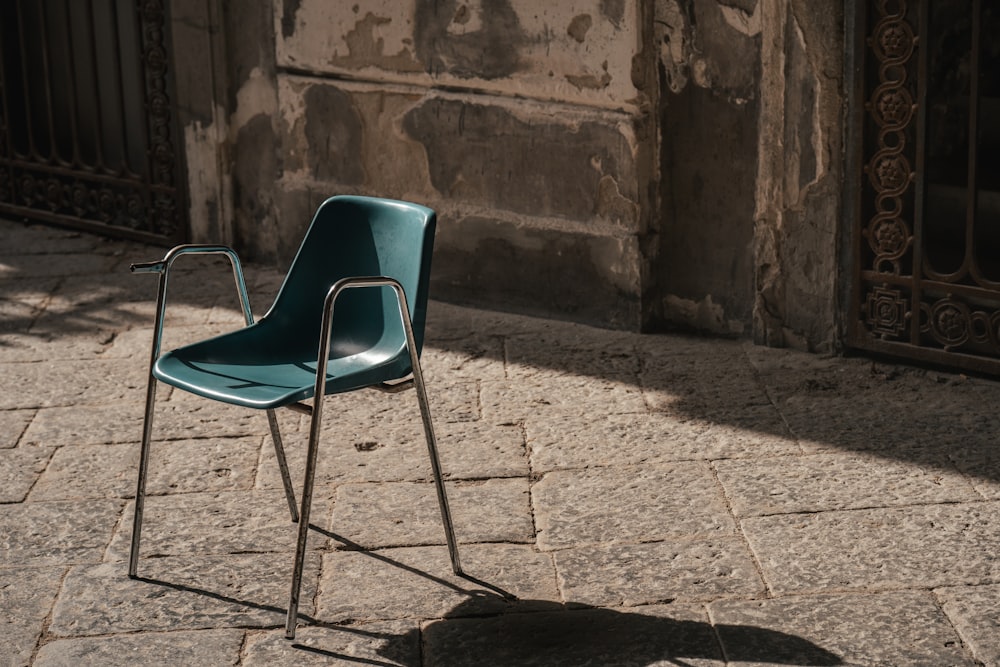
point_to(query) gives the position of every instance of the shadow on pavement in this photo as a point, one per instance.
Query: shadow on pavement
(535, 632)
(884, 408)
(493, 627)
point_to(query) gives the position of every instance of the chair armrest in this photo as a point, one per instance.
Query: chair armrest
(187, 249)
(147, 267)
(162, 267)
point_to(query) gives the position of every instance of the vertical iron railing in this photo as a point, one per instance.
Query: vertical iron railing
(87, 122)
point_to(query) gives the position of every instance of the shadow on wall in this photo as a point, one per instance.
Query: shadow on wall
(535, 632)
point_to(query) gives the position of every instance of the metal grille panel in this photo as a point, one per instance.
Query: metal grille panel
(927, 252)
(86, 117)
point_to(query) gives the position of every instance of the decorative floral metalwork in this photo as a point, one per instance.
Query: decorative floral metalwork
(889, 169)
(948, 321)
(886, 312)
(893, 106)
(902, 303)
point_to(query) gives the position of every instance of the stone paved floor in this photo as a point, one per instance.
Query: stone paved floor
(649, 500)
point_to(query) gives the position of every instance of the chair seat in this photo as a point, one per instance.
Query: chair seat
(231, 368)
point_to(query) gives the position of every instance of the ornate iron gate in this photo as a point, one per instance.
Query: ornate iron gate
(926, 278)
(86, 117)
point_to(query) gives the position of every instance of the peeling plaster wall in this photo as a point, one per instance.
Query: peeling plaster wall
(518, 121)
(798, 214)
(629, 163)
(750, 111)
(709, 56)
(199, 83)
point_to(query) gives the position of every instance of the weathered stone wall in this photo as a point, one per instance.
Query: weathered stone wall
(751, 98)
(710, 105)
(801, 175)
(517, 121)
(629, 163)
(200, 69)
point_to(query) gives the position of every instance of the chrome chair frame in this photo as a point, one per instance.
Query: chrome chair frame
(162, 268)
(316, 420)
(315, 411)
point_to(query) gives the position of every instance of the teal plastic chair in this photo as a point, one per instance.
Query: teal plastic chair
(353, 303)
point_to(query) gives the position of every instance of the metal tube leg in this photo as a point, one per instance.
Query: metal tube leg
(279, 452)
(140, 488)
(300, 545)
(425, 413)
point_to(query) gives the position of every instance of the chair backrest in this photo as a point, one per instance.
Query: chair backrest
(354, 236)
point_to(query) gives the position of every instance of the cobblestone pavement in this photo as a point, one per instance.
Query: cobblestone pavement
(662, 500)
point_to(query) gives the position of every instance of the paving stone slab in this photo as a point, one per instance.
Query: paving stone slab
(56, 533)
(65, 383)
(406, 513)
(654, 635)
(636, 574)
(837, 481)
(862, 422)
(20, 347)
(15, 266)
(878, 549)
(642, 504)
(469, 359)
(450, 401)
(551, 355)
(383, 643)
(447, 321)
(979, 460)
(181, 466)
(650, 439)
(418, 583)
(539, 398)
(29, 238)
(975, 613)
(709, 386)
(180, 593)
(16, 317)
(113, 287)
(85, 326)
(889, 629)
(958, 399)
(199, 647)
(33, 292)
(12, 426)
(20, 469)
(87, 424)
(218, 523)
(176, 417)
(391, 448)
(136, 343)
(40, 346)
(26, 598)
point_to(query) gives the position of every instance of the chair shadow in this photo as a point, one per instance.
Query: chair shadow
(494, 627)
(544, 633)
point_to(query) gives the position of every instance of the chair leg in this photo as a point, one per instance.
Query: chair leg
(279, 452)
(300, 544)
(140, 488)
(425, 413)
